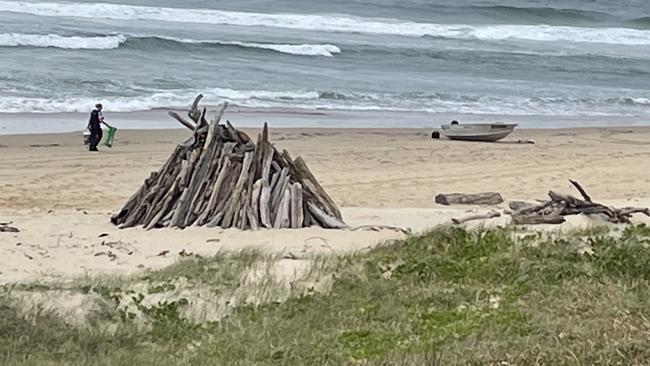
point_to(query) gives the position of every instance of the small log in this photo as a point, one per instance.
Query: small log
(326, 220)
(533, 208)
(214, 222)
(486, 198)
(537, 219)
(554, 217)
(297, 214)
(519, 205)
(485, 216)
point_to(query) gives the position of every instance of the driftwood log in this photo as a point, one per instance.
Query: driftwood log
(560, 205)
(486, 198)
(221, 177)
(486, 216)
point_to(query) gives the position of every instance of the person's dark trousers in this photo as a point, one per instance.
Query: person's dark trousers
(95, 138)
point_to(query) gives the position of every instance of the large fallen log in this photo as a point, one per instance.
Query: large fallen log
(221, 177)
(486, 198)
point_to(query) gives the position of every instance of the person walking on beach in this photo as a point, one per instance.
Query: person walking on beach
(94, 125)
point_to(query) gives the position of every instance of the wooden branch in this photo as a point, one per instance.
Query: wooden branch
(485, 216)
(581, 190)
(195, 112)
(181, 120)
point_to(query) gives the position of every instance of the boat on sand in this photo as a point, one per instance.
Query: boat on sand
(488, 132)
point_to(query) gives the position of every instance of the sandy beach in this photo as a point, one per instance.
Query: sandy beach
(61, 197)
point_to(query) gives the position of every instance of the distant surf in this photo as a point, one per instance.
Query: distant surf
(116, 41)
(333, 23)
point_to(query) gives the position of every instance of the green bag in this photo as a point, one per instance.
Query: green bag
(108, 139)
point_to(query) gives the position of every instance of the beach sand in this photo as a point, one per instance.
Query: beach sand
(61, 197)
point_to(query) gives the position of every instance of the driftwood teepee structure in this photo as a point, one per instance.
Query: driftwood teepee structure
(221, 177)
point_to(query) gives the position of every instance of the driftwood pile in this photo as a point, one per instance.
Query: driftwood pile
(552, 211)
(221, 177)
(561, 205)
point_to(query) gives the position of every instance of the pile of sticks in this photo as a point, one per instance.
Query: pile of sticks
(221, 177)
(560, 205)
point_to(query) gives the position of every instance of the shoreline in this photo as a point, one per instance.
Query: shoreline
(60, 196)
(35, 123)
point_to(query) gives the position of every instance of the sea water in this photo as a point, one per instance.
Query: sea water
(572, 59)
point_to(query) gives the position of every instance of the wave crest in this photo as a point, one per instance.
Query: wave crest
(115, 41)
(57, 41)
(327, 50)
(331, 23)
(334, 100)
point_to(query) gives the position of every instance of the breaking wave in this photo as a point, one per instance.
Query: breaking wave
(331, 100)
(116, 41)
(333, 23)
(57, 41)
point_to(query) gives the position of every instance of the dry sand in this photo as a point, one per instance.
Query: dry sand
(61, 197)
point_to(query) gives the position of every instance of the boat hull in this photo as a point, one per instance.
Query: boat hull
(478, 132)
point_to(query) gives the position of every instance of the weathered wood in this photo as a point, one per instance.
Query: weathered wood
(214, 222)
(326, 220)
(194, 112)
(519, 205)
(277, 192)
(297, 214)
(265, 133)
(537, 219)
(183, 121)
(233, 205)
(484, 216)
(485, 198)
(178, 218)
(581, 190)
(282, 217)
(321, 194)
(216, 189)
(265, 210)
(255, 199)
(221, 177)
(252, 218)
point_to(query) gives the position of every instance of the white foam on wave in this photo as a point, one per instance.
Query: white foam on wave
(57, 41)
(166, 99)
(312, 100)
(327, 50)
(114, 41)
(333, 23)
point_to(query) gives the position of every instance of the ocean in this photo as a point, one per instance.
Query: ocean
(564, 58)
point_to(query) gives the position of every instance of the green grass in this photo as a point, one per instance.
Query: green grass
(449, 296)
